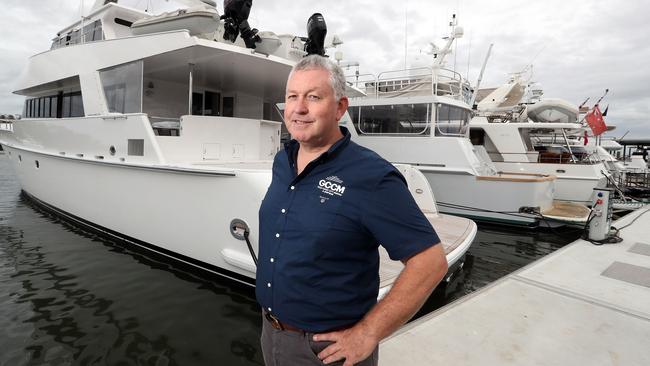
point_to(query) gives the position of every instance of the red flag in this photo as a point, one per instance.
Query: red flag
(586, 139)
(595, 121)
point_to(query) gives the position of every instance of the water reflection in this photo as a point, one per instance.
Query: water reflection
(69, 297)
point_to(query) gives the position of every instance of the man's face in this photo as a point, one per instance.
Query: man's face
(311, 111)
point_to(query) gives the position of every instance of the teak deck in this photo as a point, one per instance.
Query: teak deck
(452, 231)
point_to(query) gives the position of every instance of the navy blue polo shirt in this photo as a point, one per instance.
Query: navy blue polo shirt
(319, 234)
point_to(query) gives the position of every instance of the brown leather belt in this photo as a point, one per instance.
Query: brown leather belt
(277, 324)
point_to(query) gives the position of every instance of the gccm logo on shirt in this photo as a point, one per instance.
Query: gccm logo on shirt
(331, 185)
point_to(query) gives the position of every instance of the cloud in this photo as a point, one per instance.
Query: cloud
(577, 48)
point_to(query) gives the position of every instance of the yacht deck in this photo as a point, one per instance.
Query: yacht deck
(453, 231)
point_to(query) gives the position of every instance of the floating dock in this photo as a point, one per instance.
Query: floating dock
(582, 305)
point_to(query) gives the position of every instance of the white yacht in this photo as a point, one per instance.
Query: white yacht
(536, 137)
(421, 117)
(164, 136)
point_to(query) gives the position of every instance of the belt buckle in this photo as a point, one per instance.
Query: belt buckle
(275, 322)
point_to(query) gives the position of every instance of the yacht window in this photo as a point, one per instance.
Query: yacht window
(65, 109)
(477, 136)
(76, 105)
(40, 112)
(46, 107)
(403, 119)
(93, 31)
(123, 87)
(197, 104)
(228, 106)
(123, 22)
(72, 105)
(54, 107)
(75, 37)
(452, 120)
(212, 104)
(98, 33)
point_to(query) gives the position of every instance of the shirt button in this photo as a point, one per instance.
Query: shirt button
(269, 309)
(277, 235)
(272, 260)
(292, 188)
(268, 284)
(283, 210)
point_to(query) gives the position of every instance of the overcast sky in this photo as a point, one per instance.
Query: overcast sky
(577, 48)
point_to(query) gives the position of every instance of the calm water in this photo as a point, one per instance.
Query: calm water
(68, 297)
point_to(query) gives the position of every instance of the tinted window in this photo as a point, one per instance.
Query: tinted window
(76, 105)
(98, 34)
(54, 104)
(392, 119)
(228, 106)
(123, 87)
(74, 37)
(66, 106)
(46, 107)
(452, 120)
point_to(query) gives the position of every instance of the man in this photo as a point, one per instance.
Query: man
(329, 206)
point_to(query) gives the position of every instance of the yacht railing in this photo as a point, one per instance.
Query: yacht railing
(409, 82)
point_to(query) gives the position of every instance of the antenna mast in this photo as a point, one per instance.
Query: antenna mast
(406, 17)
(480, 76)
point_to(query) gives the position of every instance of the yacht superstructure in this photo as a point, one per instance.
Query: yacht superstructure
(421, 117)
(164, 136)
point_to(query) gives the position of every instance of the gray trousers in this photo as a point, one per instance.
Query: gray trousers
(288, 348)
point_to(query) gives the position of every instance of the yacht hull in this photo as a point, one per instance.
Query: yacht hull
(575, 182)
(494, 200)
(180, 214)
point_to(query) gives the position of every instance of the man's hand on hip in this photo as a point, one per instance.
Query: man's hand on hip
(353, 344)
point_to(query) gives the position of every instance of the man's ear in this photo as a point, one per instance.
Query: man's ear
(342, 107)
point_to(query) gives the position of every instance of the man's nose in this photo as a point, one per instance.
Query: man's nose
(301, 106)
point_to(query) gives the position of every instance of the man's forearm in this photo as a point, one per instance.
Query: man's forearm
(420, 276)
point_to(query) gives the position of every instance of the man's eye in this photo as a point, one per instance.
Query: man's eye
(291, 97)
(313, 97)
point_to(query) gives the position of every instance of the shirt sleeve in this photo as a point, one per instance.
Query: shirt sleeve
(395, 220)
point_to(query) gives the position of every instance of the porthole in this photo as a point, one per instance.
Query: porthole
(112, 150)
(20, 158)
(37, 164)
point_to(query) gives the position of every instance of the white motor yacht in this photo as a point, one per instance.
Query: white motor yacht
(165, 139)
(421, 117)
(535, 137)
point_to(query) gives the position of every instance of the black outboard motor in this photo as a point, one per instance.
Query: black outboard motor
(236, 20)
(316, 31)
